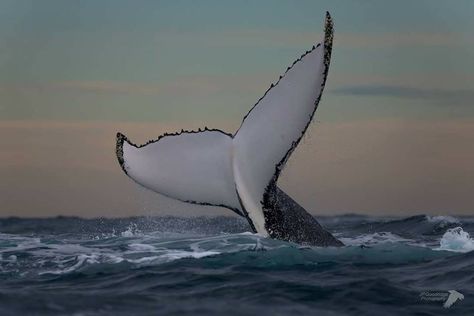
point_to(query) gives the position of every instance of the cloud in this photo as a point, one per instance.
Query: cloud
(279, 38)
(397, 39)
(460, 95)
(188, 85)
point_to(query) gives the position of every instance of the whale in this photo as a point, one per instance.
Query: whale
(239, 171)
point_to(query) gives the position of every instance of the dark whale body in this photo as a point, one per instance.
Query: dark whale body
(289, 221)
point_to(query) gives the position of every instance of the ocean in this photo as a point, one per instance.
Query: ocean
(215, 266)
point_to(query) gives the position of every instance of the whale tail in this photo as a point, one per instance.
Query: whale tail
(240, 171)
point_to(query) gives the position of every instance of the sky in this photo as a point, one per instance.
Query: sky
(393, 135)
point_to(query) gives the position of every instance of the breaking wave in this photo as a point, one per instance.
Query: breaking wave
(456, 239)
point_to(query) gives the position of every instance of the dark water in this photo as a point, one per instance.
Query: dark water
(213, 266)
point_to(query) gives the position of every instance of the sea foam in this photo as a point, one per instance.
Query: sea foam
(456, 239)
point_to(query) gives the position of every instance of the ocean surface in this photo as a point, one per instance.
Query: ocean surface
(214, 266)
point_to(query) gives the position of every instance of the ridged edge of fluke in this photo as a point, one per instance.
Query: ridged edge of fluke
(121, 138)
(328, 41)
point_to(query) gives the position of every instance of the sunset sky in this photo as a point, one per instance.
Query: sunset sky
(394, 133)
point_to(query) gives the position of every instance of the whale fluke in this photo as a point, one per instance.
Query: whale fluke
(240, 171)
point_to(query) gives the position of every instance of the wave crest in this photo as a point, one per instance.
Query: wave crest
(456, 239)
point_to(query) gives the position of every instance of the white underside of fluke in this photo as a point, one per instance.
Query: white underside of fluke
(189, 166)
(235, 171)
